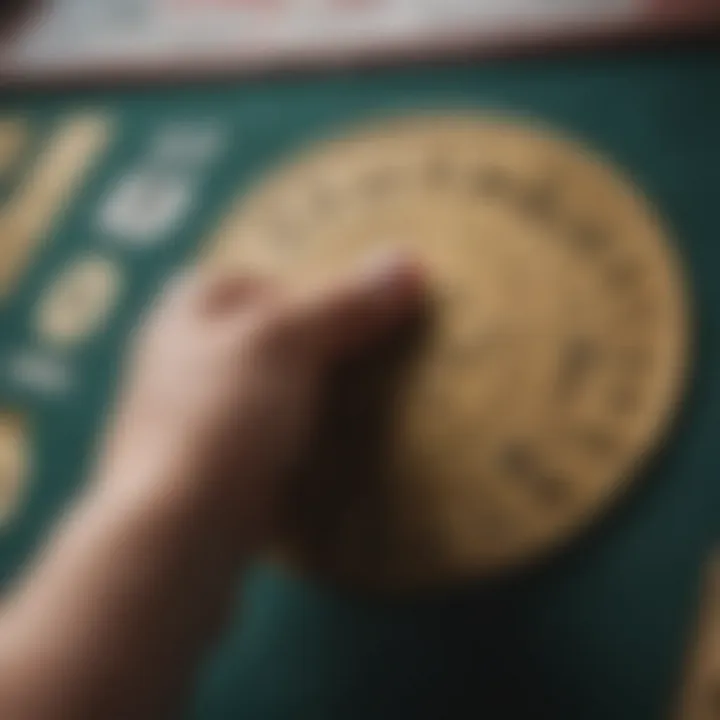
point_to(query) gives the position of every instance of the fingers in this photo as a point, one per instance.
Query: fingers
(225, 295)
(327, 323)
(212, 294)
(352, 313)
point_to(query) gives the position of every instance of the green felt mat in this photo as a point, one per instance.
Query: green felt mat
(596, 633)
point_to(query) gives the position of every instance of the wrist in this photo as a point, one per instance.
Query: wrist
(165, 491)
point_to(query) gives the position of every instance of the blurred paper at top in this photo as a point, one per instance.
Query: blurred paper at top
(102, 38)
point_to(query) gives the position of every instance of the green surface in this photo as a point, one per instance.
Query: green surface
(596, 633)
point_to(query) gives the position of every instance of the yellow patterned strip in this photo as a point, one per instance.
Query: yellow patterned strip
(47, 188)
(700, 694)
(14, 464)
(13, 139)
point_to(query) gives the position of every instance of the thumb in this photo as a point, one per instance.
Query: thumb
(350, 314)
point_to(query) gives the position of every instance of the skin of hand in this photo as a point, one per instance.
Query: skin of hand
(217, 403)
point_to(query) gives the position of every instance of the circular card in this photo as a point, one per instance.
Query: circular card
(550, 363)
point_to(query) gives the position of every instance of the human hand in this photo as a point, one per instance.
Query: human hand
(225, 380)
(217, 402)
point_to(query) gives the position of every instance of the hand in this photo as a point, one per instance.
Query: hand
(142, 573)
(224, 383)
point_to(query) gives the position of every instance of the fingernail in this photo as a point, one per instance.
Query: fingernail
(390, 270)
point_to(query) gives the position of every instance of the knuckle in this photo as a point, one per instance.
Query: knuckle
(272, 326)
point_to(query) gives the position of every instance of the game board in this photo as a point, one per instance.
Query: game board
(597, 631)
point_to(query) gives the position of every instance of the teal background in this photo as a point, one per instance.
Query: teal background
(597, 632)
